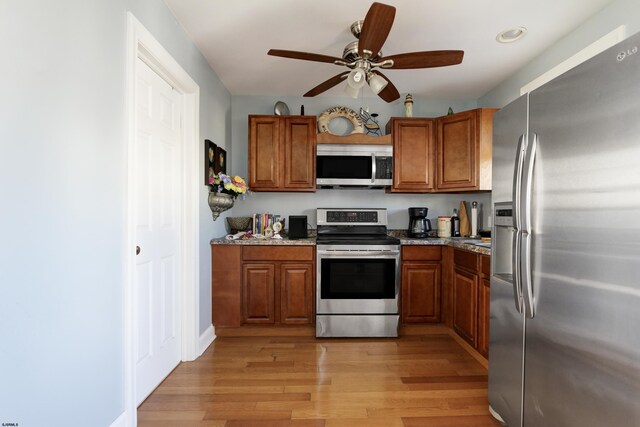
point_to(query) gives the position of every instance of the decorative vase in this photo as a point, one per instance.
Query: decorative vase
(219, 202)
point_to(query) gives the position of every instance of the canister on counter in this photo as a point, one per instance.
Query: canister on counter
(444, 226)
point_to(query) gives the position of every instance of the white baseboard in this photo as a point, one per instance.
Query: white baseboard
(206, 338)
(121, 421)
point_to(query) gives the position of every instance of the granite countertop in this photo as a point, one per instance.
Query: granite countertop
(309, 241)
(457, 242)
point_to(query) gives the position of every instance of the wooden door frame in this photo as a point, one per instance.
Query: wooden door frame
(141, 44)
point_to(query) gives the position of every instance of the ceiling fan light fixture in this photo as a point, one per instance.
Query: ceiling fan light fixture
(356, 78)
(511, 35)
(351, 91)
(376, 83)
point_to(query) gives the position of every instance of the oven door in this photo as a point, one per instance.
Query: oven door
(358, 279)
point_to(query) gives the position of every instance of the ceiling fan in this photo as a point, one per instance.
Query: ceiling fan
(363, 56)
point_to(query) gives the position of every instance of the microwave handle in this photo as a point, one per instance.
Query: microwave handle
(373, 168)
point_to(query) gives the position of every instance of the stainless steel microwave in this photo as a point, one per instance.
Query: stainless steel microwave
(354, 165)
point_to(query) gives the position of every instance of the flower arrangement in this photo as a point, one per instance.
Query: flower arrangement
(226, 184)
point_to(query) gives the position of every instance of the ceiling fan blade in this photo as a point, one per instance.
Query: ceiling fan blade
(326, 85)
(306, 56)
(389, 93)
(375, 29)
(428, 59)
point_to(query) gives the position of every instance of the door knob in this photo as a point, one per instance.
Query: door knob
(137, 250)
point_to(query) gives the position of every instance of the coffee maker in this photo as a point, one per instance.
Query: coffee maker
(419, 225)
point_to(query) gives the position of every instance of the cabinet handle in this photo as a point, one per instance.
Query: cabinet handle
(137, 250)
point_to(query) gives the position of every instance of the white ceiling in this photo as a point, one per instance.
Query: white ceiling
(235, 35)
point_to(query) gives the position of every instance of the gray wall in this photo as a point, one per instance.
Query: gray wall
(620, 12)
(62, 165)
(305, 204)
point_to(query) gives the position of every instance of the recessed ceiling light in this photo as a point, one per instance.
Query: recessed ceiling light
(511, 35)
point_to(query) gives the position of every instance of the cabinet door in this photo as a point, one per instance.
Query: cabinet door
(264, 153)
(465, 303)
(296, 293)
(413, 155)
(258, 293)
(483, 318)
(457, 143)
(300, 154)
(226, 280)
(421, 292)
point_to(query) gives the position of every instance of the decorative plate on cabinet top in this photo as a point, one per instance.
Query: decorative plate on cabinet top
(281, 109)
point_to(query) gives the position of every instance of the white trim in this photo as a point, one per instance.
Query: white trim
(141, 44)
(600, 45)
(206, 339)
(121, 421)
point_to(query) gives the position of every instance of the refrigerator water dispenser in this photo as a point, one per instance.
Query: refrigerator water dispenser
(502, 241)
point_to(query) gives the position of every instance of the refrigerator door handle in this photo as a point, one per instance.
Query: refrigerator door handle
(527, 286)
(517, 180)
(517, 237)
(515, 265)
(526, 184)
(525, 218)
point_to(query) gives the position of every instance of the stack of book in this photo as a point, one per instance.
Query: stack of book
(263, 221)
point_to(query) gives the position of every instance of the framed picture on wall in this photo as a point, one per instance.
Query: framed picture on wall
(220, 163)
(209, 160)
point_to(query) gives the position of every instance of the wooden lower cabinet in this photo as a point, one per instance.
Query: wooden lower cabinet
(296, 294)
(484, 304)
(226, 285)
(471, 292)
(483, 317)
(421, 292)
(258, 294)
(421, 284)
(465, 295)
(465, 304)
(263, 285)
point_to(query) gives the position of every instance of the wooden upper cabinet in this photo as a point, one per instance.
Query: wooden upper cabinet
(264, 153)
(300, 153)
(282, 152)
(464, 143)
(413, 155)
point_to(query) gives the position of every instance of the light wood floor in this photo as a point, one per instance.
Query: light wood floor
(412, 381)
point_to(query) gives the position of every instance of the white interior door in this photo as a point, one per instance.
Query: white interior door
(157, 201)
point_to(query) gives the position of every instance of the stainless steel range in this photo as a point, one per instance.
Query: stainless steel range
(358, 274)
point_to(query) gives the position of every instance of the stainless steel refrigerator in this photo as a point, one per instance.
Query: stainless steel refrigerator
(565, 286)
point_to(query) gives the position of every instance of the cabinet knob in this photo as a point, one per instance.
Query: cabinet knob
(137, 250)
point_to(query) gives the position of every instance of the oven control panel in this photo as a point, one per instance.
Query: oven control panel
(339, 216)
(352, 216)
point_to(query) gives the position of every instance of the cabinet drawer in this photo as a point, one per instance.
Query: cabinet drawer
(486, 265)
(421, 253)
(464, 259)
(277, 253)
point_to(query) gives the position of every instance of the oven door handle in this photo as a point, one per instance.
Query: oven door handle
(358, 254)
